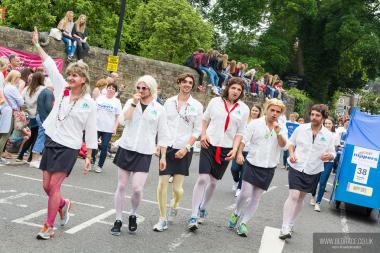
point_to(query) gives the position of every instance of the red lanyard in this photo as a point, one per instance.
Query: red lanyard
(219, 149)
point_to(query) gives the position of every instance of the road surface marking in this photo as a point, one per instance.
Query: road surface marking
(270, 243)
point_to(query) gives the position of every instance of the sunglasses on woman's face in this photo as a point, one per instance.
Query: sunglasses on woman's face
(141, 88)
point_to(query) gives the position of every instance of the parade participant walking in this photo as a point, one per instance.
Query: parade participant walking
(144, 119)
(265, 138)
(222, 131)
(108, 111)
(73, 113)
(184, 123)
(237, 163)
(310, 146)
(328, 166)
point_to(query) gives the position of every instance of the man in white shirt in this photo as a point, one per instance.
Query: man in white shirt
(310, 146)
(184, 115)
(144, 119)
(266, 138)
(222, 131)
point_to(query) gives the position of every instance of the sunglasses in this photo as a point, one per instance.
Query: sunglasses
(141, 88)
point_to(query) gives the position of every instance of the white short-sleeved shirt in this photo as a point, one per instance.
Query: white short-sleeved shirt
(184, 124)
(140, 131)
(263, 148)
(69, 132)
(307, 151)
(216, 115)
(108, 109)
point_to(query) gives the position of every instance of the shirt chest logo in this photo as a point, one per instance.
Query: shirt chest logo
(85, 106)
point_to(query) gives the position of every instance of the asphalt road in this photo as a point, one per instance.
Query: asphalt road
(23, 208)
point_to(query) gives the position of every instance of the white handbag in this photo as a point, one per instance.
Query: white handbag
(55, 33)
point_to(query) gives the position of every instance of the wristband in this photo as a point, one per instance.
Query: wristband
(188, 147)
(133, 105)
(235, 149)
(278, 133)
(163, 155)
(37, 45)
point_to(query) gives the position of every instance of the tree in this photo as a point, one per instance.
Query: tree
(169, 30)
(370, 102)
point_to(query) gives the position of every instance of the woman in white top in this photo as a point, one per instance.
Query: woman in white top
(237, 164)
(108, 111)
(30, 95)
(144, 119)
(222, 131)
(73, 112)
(184, 123)
(66, 27)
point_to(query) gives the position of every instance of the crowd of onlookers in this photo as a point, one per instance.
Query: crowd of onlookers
(219, 69)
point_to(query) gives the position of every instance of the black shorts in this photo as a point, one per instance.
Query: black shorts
(58, 158)
(301, 181)
(132, 161)
(258, 176)
(208, 165)
(176, 166)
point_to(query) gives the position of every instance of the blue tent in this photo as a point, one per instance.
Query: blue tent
(358, 176)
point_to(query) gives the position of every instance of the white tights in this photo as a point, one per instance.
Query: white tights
(203, 190)
(138, 182)
(292, 207)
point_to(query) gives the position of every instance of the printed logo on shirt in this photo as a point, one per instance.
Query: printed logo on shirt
(323, 139)
(154, 112)
(85, 105)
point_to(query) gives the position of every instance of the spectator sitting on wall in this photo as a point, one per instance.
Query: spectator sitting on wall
(66, 27)
(80, 33)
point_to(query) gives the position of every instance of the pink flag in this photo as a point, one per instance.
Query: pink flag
(29, 60)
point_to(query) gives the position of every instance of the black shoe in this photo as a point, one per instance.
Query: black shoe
(116, 230)
(132, 223)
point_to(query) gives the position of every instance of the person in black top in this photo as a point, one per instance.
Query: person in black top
(80, 33)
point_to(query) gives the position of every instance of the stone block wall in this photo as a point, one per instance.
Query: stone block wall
(131, 67)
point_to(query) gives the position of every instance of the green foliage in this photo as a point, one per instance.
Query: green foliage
(169, 30)
(370, 102)
(302, 101)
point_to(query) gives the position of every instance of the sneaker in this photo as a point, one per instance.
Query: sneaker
(234, 186)
(64, 212)
(171, 178)
(202, 214)
(233, 221)
(70, 58)
(317, 207)
(312, 201)
(132, 226)
(34, 164)
(116, 229)
(98, 169)
(3, 161)
(172, 214)
(237, 193)
(242, 230)
(161, 226)
(285, 233)
(192, 224)
(45, 233)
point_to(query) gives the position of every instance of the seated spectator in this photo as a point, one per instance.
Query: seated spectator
(195, 63)
(205, 66)
(66, 27)
(80, 33)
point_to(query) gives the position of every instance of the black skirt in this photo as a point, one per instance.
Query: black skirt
(301, 181)
(176, 166)
(58, 158)
(258, 176)
(132, 161)
(208, 165)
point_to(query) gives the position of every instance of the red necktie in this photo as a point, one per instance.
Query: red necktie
(219, 149)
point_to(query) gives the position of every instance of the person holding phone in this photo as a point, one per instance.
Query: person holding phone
(265, 139)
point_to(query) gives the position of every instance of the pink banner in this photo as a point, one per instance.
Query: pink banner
(29, 60)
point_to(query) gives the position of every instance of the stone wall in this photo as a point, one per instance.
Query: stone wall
(130, 67)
